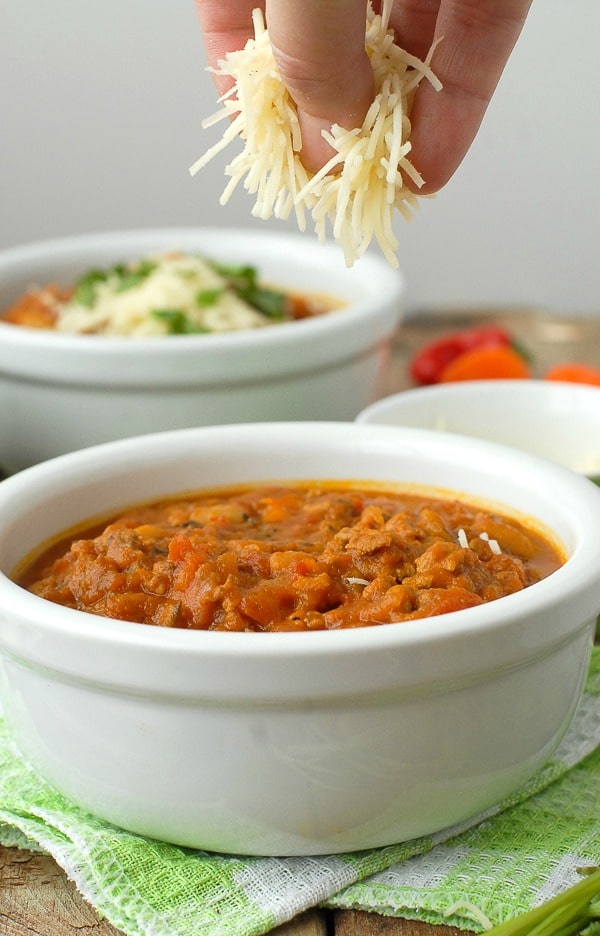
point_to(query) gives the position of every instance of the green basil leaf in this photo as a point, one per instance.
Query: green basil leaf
(178, 323)
(268, 301)
(209, 297)
(243, 280)
(129, 278)
(85, 288)
(238, 277)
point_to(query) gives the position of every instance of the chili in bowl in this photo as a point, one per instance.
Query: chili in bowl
(310, 556)
(109, 335)
(373, 712)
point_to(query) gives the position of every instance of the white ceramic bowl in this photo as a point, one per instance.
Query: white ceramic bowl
(295, 743)
(559, 421)
(62, 392)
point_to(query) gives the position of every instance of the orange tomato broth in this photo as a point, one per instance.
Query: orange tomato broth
(36, 308)
(300, 557)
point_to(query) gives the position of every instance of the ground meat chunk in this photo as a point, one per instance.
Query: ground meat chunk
(303, 557)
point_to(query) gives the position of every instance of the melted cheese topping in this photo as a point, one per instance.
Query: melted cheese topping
(357, 192)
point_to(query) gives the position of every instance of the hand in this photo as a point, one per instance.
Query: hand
(320, 52)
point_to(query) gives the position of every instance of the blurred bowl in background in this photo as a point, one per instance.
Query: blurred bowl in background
(558, 421)
(62, 392)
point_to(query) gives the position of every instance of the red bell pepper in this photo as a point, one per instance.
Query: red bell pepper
(427, 365)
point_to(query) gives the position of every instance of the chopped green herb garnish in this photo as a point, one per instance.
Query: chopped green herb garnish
(85, 288)
(268, 301)
(129, 278)
(85, 292)
(209, 297)
(178, 323)
(128, 282)
(238, 277)
(243, 280)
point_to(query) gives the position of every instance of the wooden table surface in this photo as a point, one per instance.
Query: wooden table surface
(36, 899)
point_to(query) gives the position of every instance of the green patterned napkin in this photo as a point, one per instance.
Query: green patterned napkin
(519, 854)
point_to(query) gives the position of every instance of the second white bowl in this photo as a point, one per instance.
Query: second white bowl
(559, 421)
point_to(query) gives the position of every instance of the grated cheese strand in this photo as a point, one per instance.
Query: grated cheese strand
(364, 183)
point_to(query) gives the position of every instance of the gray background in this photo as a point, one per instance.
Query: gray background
(101, 106)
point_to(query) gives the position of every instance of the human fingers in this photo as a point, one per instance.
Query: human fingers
(226, 27)
(414, 23)
(320, 53)
(478, 38)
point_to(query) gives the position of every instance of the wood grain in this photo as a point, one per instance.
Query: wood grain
(311, 923)
(36, 899)
(358, 923)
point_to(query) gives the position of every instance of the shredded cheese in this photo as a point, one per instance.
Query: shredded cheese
(492, 543)
(357, 192)
(172, 285)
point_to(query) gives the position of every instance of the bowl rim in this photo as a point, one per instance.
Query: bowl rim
(473, 389)
(490, 617)
(478, 408)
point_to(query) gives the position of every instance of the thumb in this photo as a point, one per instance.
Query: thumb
(319, 49)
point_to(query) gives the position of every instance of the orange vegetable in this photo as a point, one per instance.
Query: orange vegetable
(494, 362)
(320, 555)
(575, 373)
(428, 363)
